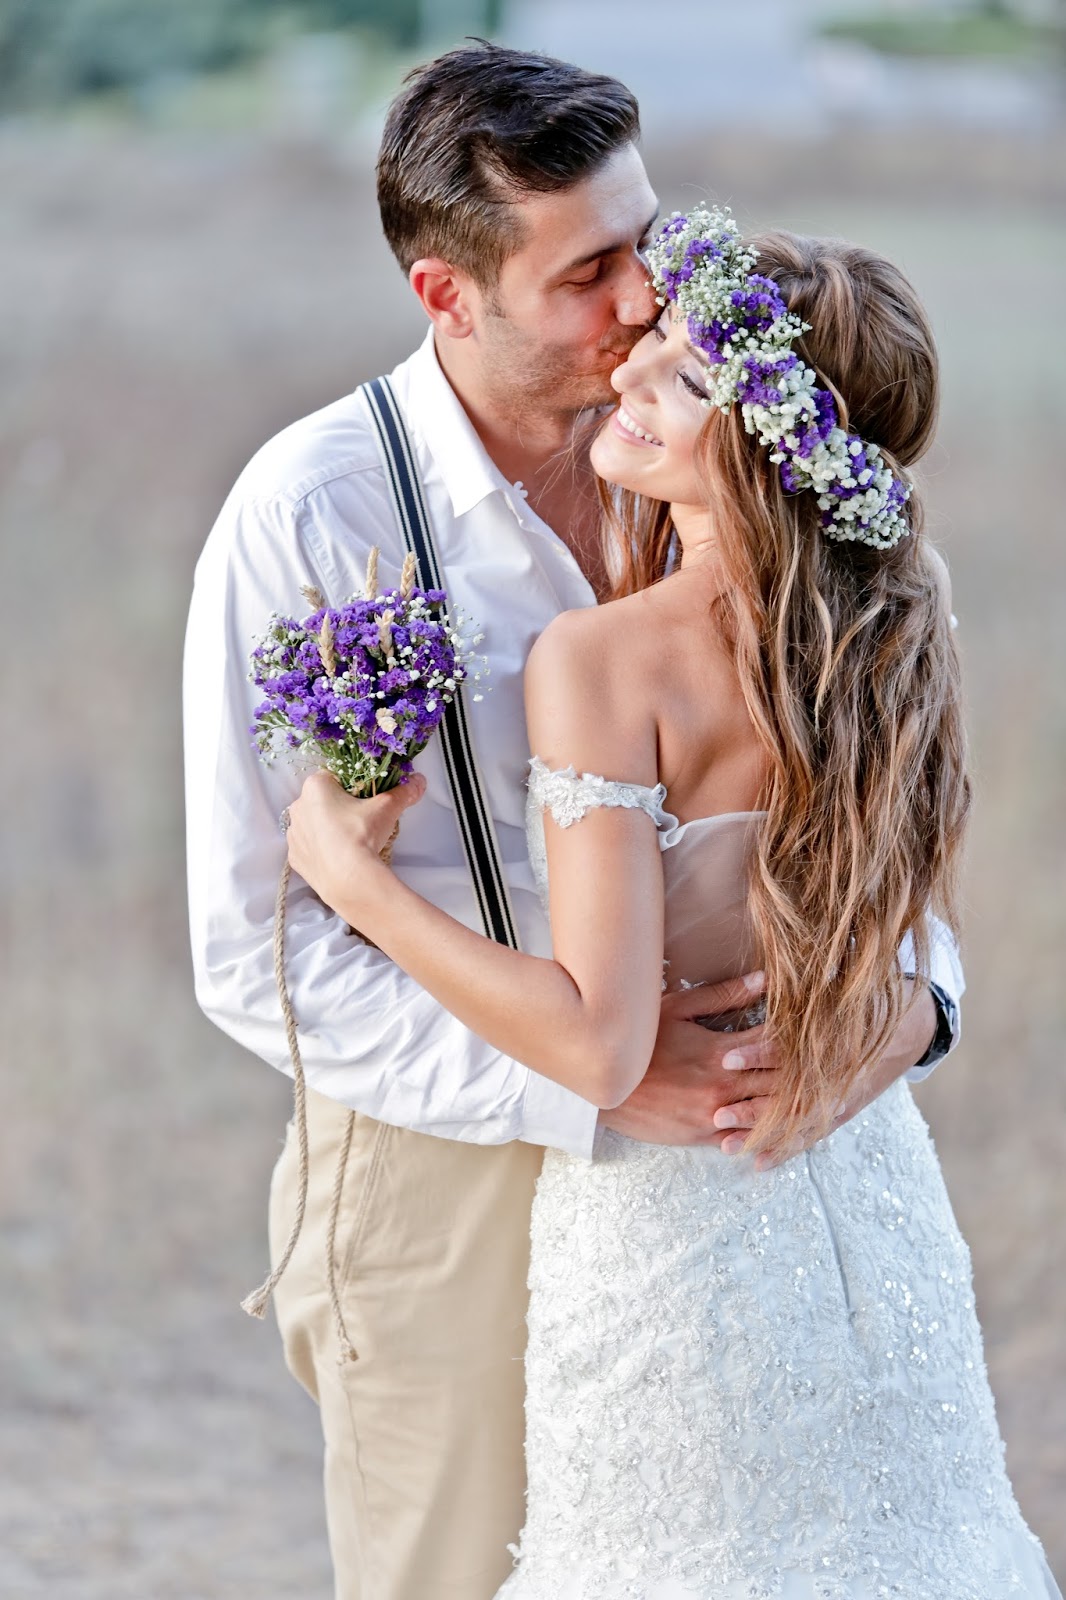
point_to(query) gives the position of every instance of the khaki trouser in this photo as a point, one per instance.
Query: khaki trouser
(424, 1468)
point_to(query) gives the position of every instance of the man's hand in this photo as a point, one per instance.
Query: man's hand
(704, 1087)
(689, 1081)
(907, 1045)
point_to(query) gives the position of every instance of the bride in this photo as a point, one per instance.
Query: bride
(757, 1378)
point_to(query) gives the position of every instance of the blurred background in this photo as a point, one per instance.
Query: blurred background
(189, 259)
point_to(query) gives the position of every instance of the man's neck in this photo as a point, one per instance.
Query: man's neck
(525, 444)
(544, 452)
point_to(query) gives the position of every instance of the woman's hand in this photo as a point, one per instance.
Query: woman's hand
(335, 839)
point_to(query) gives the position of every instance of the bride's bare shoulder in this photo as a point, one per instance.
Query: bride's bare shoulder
(584, 701)
(593, 645)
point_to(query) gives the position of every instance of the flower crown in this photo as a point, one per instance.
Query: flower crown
(739, 321)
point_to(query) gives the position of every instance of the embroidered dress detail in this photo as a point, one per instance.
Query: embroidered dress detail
(745, 1386)
(569, 797)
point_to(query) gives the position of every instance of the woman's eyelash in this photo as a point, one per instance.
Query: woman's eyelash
(690, 383)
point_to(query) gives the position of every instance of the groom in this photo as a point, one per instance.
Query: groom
(513, 197)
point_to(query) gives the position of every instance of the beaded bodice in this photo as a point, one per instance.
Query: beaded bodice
(748, 1386)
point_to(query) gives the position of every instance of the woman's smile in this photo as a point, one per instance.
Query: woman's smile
(631, 430)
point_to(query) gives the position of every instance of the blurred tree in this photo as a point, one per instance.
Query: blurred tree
(996, 29)
(407, 22)
(55, 50)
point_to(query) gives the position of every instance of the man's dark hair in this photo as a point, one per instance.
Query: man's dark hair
(475, 129)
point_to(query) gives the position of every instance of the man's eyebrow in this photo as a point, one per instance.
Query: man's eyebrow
(607, 249)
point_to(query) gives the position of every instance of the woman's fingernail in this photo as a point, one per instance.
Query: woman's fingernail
(756, 982)
(726, 1119)
(733, 1061)
(733, 1146)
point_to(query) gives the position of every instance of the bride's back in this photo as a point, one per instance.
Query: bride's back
(674, 663)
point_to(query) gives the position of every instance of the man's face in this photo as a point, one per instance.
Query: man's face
(573, 299)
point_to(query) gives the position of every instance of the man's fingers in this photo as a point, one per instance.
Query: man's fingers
(744, 1114)
(733, 1145)
(708, 999)
(759, 1054)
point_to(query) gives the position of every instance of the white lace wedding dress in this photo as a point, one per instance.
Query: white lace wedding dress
(745, 1385)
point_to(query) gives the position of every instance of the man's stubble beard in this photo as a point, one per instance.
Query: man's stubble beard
(528, 378)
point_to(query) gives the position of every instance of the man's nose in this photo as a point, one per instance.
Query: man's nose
(636, 305)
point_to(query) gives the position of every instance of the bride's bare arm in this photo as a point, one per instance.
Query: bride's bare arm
(587, 1018)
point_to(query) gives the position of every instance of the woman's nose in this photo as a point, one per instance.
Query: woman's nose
(636, 370)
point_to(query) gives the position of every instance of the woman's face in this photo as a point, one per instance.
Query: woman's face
(648, 444)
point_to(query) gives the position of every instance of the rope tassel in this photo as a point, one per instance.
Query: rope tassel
(256, 1303)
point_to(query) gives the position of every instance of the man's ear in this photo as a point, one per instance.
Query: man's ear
(447, 296)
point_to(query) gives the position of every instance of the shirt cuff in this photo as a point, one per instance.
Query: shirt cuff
(919, 1074)
(946, 1007)
(557, 1117)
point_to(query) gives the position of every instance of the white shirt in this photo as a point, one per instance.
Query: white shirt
(306, 510)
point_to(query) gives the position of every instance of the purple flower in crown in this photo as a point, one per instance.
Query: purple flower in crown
(360, 689)
(818, 423)
(760, 382)
(759, 303)
(711, 338)
(790, 478)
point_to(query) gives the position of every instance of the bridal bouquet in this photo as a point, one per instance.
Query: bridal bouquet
(360, 689)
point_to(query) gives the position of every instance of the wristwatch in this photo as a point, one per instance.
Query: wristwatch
(946, 1017)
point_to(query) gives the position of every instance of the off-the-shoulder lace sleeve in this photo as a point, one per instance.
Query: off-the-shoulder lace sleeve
(569, 796)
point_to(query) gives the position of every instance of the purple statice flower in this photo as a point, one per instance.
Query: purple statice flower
(359, 688)
(738, 318)
(711, 338)
(759, 303)
(760, 383)
(789, 480)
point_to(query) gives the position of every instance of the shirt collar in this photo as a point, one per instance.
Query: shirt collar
(435, 414)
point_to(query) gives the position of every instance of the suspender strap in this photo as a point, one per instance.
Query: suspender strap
(460, 762)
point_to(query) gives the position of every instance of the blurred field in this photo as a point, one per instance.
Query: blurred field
(167, 305)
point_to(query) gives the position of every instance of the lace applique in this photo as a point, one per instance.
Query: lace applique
(568, 797)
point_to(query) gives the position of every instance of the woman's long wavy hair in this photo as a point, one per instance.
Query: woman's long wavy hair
(850, 675)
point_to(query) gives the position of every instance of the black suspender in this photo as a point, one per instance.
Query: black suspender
(468, 794)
